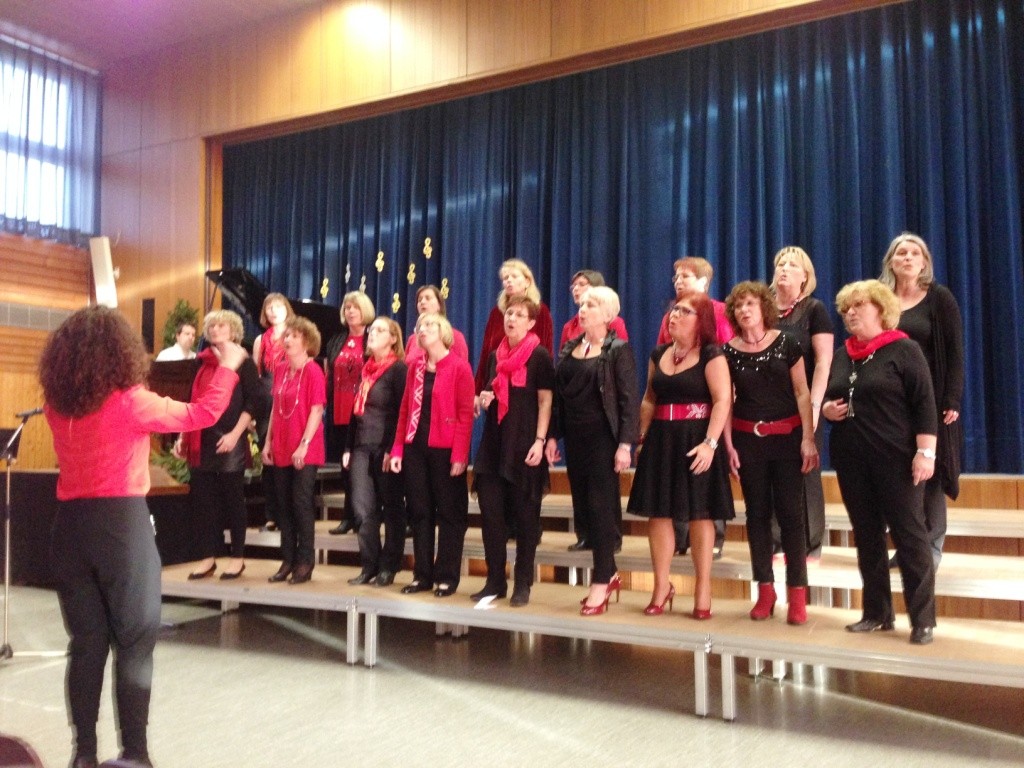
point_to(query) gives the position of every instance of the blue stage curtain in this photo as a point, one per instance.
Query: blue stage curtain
(835, 136)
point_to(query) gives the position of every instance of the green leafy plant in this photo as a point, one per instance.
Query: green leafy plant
(176, 467)
(183, 312)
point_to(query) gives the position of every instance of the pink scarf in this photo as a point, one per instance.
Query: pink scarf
(372, 370)
(511, 369)
(858, 350)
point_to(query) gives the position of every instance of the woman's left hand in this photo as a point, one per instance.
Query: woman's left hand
(299, 457)
(622, 458)
(703, 454)
(535, 454)
(809, 454)
(227, 443)
(922, 468)
(949, 416)
(458, 468)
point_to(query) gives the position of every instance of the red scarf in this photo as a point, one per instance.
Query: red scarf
(511, 369)
(858, 350)
(372, 370)
(191, 442)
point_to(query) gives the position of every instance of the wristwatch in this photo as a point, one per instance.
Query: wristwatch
(712, 442)
(928, 453)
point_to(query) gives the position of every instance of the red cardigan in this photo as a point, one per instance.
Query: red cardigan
(451, 409)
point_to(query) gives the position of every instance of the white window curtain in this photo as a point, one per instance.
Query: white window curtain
(49, 146)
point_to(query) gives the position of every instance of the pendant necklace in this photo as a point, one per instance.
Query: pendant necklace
(298, 390)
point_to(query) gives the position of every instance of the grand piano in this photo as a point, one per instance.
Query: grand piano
(243, 293)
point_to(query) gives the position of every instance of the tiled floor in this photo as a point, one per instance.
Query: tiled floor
(269, 687)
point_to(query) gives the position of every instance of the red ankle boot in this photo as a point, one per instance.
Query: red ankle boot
(765, 605)
(797, 597)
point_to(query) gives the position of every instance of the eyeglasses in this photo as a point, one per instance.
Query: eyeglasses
(856, 305)
(512, 313)
(681, 310)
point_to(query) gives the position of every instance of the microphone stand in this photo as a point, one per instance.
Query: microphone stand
(9, 455)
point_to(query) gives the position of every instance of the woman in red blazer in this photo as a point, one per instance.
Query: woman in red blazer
(431, 449)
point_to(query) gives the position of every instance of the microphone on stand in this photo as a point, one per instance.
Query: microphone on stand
(28, 414)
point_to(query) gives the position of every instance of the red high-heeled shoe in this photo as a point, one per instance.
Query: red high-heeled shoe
(701, 614)
(615, 583)
(653, 609)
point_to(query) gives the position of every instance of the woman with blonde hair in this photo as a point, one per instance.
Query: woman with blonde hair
(516, 279)
(807, 319)
(882, 408)
(344, 356)
(218, 454)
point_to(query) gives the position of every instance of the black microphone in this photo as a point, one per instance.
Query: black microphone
(28, 414)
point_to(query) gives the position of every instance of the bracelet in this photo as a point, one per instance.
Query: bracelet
(815, 404)
(540, 439)
(710, 441)
(304, 442)
(928, 453)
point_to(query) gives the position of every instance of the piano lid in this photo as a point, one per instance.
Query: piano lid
(245, 295)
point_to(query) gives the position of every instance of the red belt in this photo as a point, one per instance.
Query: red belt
(681, 411)
(765, 428)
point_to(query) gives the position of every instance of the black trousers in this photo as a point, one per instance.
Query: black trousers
(590, 466)
(935, 515)
(880, 491)
(218, 499)
(813, 504)
(262, 415)
(435, 498)
(296, 513)
(377, 494)
(501, 500)
(108, 581)
(775, 484)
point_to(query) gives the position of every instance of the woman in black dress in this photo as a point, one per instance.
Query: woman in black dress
(596, 411)
(930, 316)
(377, 491)
(770, 440)
(805, 317)
(217, 455)
(510, 472)
(882, 408)
(680, 475)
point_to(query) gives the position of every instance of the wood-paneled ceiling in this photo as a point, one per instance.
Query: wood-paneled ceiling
(99, 32)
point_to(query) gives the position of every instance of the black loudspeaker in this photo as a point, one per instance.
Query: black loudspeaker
(148, 321)
(103, 271)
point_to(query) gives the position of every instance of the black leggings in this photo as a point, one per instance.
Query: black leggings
(218, 498)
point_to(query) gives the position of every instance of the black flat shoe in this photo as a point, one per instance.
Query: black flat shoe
(488, 591)
(870, 625)
(520, 596)
(716, 553)
(921, 635)
(579, 546)
(203, 574)
(301, 574)
(228, 576)
(362, 578)
(385, 579)
(417, 586)
(282, 573)
(445, 590)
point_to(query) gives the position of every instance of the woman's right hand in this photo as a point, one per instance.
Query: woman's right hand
(396, 464)
(834, 410)
(551, 451)
(232, 355)
(734, 461)
(268, 459)
(345, 458)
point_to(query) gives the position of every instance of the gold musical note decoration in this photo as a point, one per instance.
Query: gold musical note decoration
(444, 289)
(362, 285)
(348, 273)
(411, 275)
(324, 289)
(396, 304)
(428, 250)
(379, 263)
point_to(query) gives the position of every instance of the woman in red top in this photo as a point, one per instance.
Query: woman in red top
(516, 279)
(429, 299)
(268, 353)
(435, 424)
(295, 446)
(344, 358)
(104, 552)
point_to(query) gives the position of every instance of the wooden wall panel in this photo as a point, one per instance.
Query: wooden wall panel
(20, 391)
(428, 42)
(505, 34)
(232, 103)
(356, 51)
(123, 97)
(578, 26)
(44, 274)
